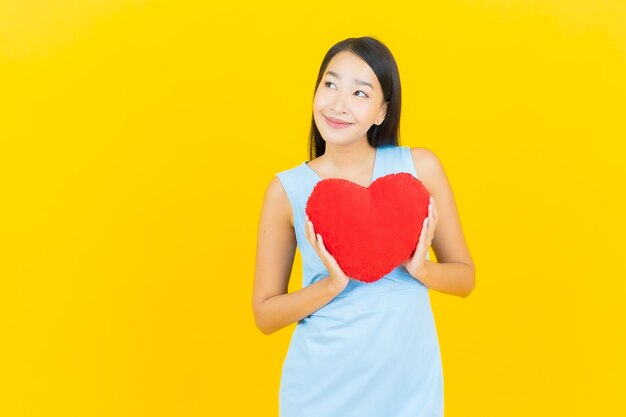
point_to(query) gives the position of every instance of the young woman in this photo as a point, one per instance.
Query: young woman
(358, 349)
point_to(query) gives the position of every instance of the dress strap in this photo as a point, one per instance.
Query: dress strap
(394, 159)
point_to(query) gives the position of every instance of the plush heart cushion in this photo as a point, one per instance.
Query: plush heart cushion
(372, 230)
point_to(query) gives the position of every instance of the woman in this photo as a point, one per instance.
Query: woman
(359, 349)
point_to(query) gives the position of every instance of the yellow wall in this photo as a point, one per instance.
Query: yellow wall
(137, 139)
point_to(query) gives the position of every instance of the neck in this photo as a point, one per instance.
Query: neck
(351, 156)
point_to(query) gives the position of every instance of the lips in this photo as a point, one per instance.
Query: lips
(336, 122)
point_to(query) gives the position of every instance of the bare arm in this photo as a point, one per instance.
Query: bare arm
(454, 272)
(272, 305)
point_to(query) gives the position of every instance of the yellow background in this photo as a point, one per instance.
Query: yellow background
(137, 139)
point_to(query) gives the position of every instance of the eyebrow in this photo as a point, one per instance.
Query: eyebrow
(360, 82)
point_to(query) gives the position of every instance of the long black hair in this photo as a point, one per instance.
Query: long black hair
(382, 62)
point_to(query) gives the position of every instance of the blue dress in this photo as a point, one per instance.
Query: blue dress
(373, 350)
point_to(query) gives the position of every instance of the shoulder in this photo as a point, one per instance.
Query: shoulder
(277, 200)
(275, 187)
(428, 167)
(426, 161)
(275, 190)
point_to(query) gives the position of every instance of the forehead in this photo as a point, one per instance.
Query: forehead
(349, 65)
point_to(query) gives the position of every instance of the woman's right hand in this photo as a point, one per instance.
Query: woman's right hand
(337, 279)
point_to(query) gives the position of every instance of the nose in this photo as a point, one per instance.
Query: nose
(339, 104)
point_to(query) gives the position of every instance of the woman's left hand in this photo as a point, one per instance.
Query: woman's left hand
(417, 263)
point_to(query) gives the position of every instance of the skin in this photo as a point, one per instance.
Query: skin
(349, 156)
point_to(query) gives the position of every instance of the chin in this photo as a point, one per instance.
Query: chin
(338, 141)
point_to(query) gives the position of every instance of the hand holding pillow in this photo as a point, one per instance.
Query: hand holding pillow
(339, 280)
(417, 263)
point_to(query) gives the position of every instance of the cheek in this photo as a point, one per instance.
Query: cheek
(364, 111)
(321, 100)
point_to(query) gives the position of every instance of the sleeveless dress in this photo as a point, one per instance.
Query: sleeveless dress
(373, 350)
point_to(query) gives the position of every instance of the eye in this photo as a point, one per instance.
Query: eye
(329, 84)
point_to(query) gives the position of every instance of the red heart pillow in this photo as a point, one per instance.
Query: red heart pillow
(372, 230)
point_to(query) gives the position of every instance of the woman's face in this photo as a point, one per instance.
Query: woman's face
(350, 95)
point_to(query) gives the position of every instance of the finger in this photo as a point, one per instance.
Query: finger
(420, 241)
(412, 255)
(327, 254)
(430, 234)
(311, 230)
(311, 237)
(307, 231)
(306, 227)
(424, 232)
(322, 249)
(417, 254)
(432, 212)
(322, 246)
(434, 218)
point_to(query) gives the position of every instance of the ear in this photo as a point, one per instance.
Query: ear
(382, 113)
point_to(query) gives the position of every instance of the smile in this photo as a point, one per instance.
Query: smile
(337, 124)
